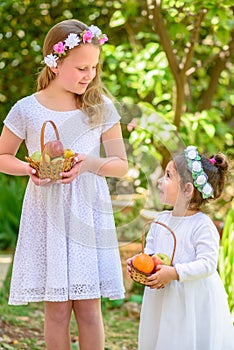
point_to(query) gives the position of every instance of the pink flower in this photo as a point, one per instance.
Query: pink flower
(103, 39)
(59, 47)
(87, 37)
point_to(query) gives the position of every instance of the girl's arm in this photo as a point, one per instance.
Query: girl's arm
(9, 145)
(114, 164)
(9, 164)
(206, 244)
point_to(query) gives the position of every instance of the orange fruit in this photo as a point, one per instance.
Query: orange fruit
(143, 262)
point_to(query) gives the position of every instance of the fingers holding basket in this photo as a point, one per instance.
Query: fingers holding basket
(68, 176)
(164, 275)
(129, 265)
(34, 177)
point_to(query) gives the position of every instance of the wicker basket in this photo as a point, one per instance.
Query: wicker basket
(52, 170)
(139, 276)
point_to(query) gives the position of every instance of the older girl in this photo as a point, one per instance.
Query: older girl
(67, 252)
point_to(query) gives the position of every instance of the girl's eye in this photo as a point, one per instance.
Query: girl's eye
(167, 174)
(83, 69)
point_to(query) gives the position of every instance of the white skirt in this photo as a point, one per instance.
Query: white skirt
(193, 315)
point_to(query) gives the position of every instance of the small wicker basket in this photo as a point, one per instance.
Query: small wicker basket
(139, 276)
(52, 170)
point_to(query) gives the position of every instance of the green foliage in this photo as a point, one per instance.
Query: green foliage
(208, 130)
(226, 256)
(12, 191)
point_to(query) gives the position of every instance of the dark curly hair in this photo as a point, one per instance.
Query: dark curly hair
(216, 173)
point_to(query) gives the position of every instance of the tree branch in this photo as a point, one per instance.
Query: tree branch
(154, 8)
(193, 40)
(216, 71)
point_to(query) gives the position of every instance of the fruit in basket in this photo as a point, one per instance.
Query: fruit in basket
(161, 259)
(47, 158)
(143, 262)
(36, 156)
(67, 153)
(54, 160)
(54, 148)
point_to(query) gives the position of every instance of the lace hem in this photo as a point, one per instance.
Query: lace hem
(78, 292)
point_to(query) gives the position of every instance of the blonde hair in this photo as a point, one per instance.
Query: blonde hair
(92, 101)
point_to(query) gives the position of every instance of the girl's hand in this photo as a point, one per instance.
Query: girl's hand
(35, 179)
(129, 265)
(164, 275)
(77, 169)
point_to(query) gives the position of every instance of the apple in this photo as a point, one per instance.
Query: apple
(36, 156)
(160, 259)
(54, 148)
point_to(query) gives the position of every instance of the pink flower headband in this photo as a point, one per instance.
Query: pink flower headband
(73, 40)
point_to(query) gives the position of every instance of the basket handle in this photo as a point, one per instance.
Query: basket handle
(43, 133)
(168, 228)
(43, 137)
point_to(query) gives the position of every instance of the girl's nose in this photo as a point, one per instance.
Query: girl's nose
(160, 180)
(89, 74)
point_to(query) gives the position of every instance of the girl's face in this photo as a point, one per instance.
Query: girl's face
(169, 185)
(78, 69)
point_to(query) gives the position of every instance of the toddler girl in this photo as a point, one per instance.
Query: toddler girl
(185, 305)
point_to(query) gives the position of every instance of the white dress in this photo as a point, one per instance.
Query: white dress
(67, 245)
(192, 313)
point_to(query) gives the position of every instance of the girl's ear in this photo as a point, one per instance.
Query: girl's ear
(188, 189)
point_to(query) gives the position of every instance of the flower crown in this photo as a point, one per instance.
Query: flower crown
(73, 40)
(200, 179)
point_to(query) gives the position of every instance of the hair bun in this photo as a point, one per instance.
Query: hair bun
(221, 162)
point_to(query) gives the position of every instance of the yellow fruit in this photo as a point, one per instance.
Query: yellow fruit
(47, 158)
(68, 153)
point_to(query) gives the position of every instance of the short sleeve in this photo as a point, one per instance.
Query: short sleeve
(111, 115)
(15, 121)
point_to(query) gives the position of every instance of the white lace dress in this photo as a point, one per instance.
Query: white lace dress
(193, 313)
(67, 246)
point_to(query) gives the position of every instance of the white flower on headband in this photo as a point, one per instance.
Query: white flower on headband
(50, 60)
(72, 41)
(191, 154)
(207, 190)
(200, 179)
(191, 148)
(196, 166)
(95, 30)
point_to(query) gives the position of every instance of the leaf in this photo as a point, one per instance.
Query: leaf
(118, 19)
(208, 128)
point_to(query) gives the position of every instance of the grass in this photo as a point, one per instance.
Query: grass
(21, 327)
